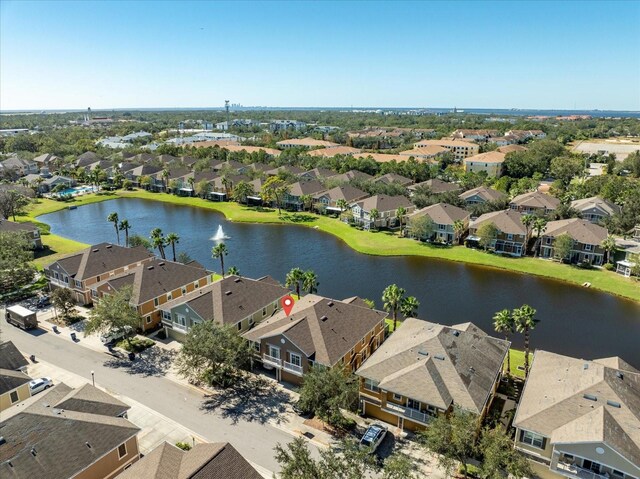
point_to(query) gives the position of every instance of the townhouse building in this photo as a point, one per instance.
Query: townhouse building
(305, 143)
(386, 208)
(81, 272)
(234, 301)
(580, 419)
(328, 200)
(534, 202)
(480, 195)
(587, 240)
(31, 231)
(511, 235)
(489, 162)
(318, 331)
(425, 369)
(444, 217)
(461, 149)
(595, 209)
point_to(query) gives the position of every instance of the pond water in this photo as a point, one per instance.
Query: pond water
(573, 320)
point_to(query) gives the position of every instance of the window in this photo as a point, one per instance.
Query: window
(432, 410)
(184, 290)
(240, 326)
(295, 359)
(509, 236)
(371, 385)
(155, 301)
(274, 352)
(122, 450)
(264, 312)
(181, 320)
(617, 473)
(14, 396)
(196, 284)
(169, 297)
(251, 321)
(98, 279)
(166, 315)
(533, 439)
(588, 247)
(397, 397)
(148, 319)
(413, 404)
(78, 283)
(94, 293)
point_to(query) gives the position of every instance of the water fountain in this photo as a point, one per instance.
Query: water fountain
(219, 236)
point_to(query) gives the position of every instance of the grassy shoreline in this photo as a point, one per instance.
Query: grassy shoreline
(373, 243)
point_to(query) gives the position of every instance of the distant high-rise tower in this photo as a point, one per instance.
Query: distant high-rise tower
(226, 107)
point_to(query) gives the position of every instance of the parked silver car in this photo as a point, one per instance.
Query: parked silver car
(373, 436)
(39, 385)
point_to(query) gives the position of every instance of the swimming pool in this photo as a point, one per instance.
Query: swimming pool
(78, 190)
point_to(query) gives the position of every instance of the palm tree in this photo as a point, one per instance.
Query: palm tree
(113, 218)
(503, 322)
(527, 221)
(125, 226)
(458, 228)
(409, 306)
(172, 239)
(400, 212)
(393, 297)
(294, 278)
(374, 214)
(342, 204)
(158, 241)
(310, 282)
(540, 224)
(525, 322)
(165, 177)
(307, 201)
(609, 246)
(220, 251)
(234, 271)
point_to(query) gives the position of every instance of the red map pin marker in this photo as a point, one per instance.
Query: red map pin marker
(287, 304)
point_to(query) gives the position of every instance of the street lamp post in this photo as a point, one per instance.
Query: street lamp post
(93, 378)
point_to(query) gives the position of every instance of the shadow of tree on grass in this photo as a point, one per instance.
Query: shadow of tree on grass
(251, 399)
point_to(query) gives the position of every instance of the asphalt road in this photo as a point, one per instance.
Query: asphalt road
(245, 426)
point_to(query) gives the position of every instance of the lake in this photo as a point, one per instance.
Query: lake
(573, 320)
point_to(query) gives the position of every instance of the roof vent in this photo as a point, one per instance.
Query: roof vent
(423, 353)
(439, 356)
(95, 250)
(161, 263)
(149, 268)
(456, 332)
(613, 404)
(227, 293)
(88, 445)
(330, 303)
(324, 318)
(590, 397)
(472, 370)
(33, 452)
(108, 246)
(2, 440)
(237, 280)
(619, 375)
(585, 366)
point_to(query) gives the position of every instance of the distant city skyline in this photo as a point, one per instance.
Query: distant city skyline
(500, 55)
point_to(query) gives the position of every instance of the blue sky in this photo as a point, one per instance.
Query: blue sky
(197, 54)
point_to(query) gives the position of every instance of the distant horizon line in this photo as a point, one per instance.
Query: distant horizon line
(316, 108)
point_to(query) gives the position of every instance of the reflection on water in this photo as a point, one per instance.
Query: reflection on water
(573, 320)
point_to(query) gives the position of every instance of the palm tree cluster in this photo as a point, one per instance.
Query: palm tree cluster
(521, 320)
(307, 280)
(159, 241)
(395, 300)
(219, 251)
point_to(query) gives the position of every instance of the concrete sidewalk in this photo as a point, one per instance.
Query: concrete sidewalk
(154, 427)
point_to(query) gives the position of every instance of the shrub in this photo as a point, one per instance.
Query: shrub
(135, 345)
(609, 267)
(183, 445)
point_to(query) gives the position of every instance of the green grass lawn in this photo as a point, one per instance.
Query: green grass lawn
(517, 359)
(374, 243)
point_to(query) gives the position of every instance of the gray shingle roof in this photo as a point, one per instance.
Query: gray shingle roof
(345, 192)
(10, 380)
(90, 399)
(553, 402)
(580, 230)
(205, 461)
(442, 214)
(508, 221)
(324, 329)
(305, 188)
(46, 442)
(384, 203)
(393, 178)
(6, 225)
(436, 186)
(438, 365)
(535, 199)
(10, 357)
(487, 194)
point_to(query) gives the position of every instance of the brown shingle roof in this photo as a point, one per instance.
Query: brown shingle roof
(442, 214)
(595, 202)
(535, 199)
(99, 259)
(384, 203)
(231, 299)
(438, 365)
(393, 178)
(344, 192)
(305, 188)
(487, 194)
(351, 175)
(43, 441)
(324, 329)
(580, 230)
(90, 399)
(436, 186)
(508, 221)
(10, 357)
(10, 380)
(155, 278)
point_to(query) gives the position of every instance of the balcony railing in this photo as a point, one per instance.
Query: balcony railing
(277, 362)
(293, 368)
(571, 470)
(407, 412)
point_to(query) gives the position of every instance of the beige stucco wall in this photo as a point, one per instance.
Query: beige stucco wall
(23, 393)
(610, 457)
(110, 465)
